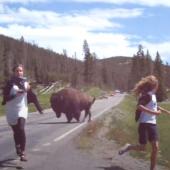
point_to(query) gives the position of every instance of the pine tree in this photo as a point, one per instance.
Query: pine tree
(1, 62)
(74, 76)
(88, 64)
(104, 74)
(141, 62)
(148, 64)
(136, 69)
(94, 69)
(65, 66)
(7, 61)
(141, 67)
(24, 57)
(167, 73)
(159, 73)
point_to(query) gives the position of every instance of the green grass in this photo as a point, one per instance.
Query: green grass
(94, 91)
(164, 127)
(123, 126)
(124, 130)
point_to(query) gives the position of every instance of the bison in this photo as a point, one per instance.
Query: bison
(71, 102)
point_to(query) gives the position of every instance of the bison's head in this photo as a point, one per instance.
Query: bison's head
(55, 105)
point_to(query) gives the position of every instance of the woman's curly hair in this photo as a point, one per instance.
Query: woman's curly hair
(145, 85)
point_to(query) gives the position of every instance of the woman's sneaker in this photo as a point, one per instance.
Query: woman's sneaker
(124, 149)
(23, 157)
(18, 150)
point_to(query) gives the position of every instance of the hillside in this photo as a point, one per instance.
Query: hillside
(118, 70)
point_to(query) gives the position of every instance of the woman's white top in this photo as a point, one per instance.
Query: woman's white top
(17, 107)
(152, 105)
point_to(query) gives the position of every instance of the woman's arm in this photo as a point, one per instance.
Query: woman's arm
(163, 110)
(145, 109)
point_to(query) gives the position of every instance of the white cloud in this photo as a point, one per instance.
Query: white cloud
(91, 20)
(86, 18)
(59, 31)
(25, 16)
(139, 2)
(114, 13)
(22, 1)
(68, 31)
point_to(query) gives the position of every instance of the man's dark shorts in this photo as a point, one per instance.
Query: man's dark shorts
(147, 131)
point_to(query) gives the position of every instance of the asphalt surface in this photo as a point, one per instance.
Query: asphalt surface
(49, 141)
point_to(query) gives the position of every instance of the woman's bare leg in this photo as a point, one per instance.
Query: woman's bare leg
(129, 147)
(154, 153)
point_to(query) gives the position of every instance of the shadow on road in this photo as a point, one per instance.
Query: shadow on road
(8, 163)
(50, 123)
(111, 168)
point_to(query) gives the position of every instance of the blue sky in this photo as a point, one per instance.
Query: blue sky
(111, 27)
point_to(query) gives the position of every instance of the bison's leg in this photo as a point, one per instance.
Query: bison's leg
(77, 115)
(76, 112)
(69, 117)
(87, 112)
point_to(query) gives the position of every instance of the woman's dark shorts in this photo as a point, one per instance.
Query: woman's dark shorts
(147, 131)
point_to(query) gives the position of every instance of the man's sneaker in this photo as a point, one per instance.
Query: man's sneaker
(124, 149)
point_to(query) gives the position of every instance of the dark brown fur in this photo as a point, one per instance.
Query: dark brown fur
(71, 102)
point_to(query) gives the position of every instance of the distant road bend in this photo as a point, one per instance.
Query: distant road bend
(45, 133)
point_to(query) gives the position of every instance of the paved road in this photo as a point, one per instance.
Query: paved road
(49, 139)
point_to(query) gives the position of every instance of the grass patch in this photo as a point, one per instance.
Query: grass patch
(163, 124)
(123, 129)
(94, 91)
